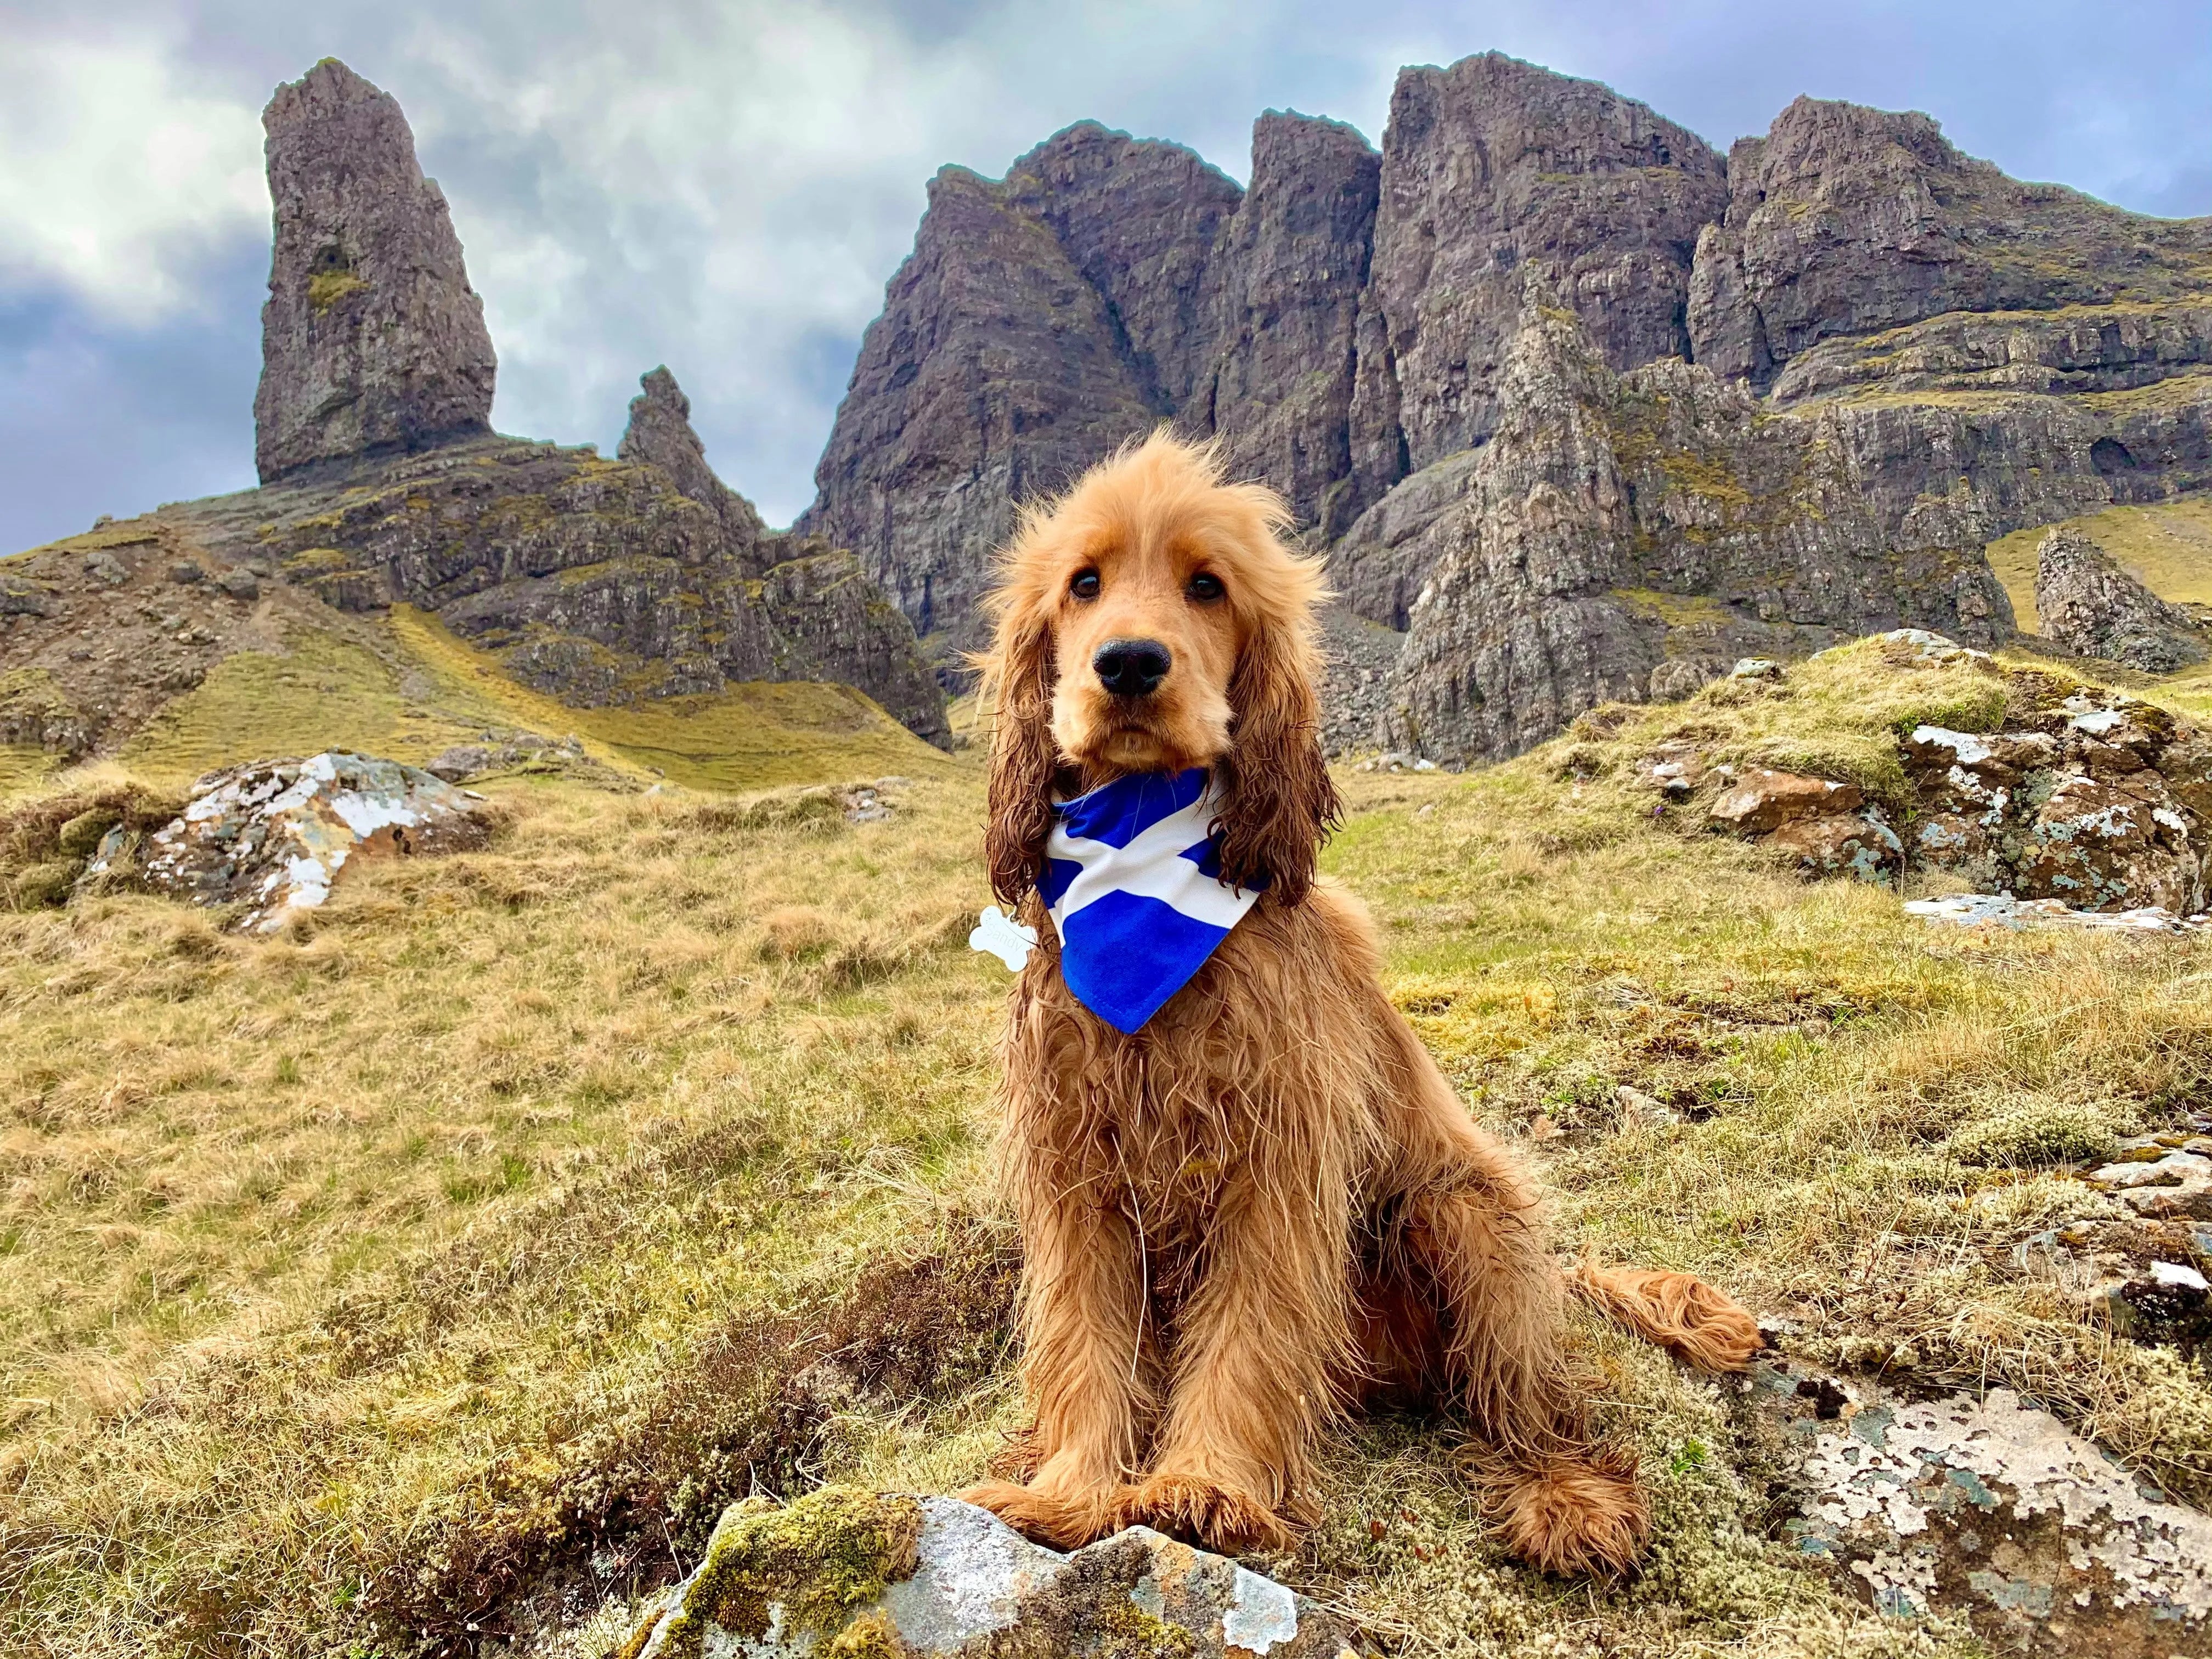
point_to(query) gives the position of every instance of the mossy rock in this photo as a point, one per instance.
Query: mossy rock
(2043, 1135)
(819, 1561)
(81, 837)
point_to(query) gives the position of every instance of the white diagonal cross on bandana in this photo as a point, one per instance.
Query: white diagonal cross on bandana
(1132, 880)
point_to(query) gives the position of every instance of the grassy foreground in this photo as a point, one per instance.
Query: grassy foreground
(430, 1277)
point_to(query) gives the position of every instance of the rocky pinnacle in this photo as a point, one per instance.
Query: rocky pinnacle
(661, 434)
(372, 340)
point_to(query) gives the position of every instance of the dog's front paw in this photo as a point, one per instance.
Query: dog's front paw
(1065, 1523)
(1194, 1508)
(1576, 1515)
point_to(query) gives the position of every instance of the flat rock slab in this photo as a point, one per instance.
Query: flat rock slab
(1989, 1507)
(848, 1571)
(273, 837)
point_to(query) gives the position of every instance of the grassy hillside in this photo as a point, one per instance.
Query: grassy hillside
(437, 1270)
(404, 686)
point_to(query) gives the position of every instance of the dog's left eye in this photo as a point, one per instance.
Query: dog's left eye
(1205, 587)
(1086, 586)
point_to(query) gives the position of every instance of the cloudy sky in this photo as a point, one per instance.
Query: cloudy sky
(726, 187)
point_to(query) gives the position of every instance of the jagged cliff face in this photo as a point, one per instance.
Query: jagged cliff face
(371, 339)
(1845, 221)
(1284, 325)
(994, 374)
(1769, 402)
(1492, 168)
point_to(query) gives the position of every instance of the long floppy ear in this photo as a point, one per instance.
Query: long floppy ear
(1017, 678)
(1279, 801)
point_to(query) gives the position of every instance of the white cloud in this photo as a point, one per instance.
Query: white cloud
(114, 178)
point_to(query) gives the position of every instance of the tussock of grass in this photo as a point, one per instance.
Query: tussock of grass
(456, 1257)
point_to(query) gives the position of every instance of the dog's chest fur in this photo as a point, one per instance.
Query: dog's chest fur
(1223, 1097)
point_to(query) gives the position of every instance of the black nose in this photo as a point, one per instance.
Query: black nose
(1131, 668)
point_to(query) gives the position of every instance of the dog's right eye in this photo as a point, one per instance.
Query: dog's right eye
(1086, 584)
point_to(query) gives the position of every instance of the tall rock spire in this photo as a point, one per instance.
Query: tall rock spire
(371, 339)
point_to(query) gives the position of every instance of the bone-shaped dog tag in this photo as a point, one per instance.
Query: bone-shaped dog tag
(1006, 940)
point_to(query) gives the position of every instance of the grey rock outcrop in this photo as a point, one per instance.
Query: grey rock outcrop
(660, 435)
(2087, 603)
(1849, 221)
(371, 339)
(1632, 536)
(843, 1571)
(1987, 1508)
(1492, 168)
(271, 838)
(2085, 798)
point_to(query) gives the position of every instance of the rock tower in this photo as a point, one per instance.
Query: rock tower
(372, 340)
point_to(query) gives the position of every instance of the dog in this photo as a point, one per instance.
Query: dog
(1265, 1205)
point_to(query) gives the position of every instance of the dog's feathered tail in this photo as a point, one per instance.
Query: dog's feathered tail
(1679, 1311)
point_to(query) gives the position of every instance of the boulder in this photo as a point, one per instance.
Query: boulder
(2087, 603)
(1856, 844)
(1988, 1509)
(273, 838)
(2104, 846)
(849, 1571)
(371, 339)
(1763, 799)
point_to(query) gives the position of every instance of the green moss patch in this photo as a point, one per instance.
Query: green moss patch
(818, 1561)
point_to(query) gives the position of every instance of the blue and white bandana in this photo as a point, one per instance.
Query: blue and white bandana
(1133, 880)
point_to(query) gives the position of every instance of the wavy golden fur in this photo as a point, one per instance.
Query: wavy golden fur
(1267, 1203)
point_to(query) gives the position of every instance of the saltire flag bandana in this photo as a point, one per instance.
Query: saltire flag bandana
(1133, 880)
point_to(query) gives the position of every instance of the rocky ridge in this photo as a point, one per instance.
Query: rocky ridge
(599, 581)
(1963, 356)
(1628, 538)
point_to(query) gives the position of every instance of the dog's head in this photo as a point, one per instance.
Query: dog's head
(1151, 620)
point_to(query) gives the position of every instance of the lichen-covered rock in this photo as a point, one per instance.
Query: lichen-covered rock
(274, 837)
(847, 1572)
(2087, 603)
(1860, 845)
(371, 339)
(2102, 846)
(1988, 1509)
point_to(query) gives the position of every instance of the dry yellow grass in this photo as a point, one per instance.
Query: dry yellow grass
(360, 1280)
